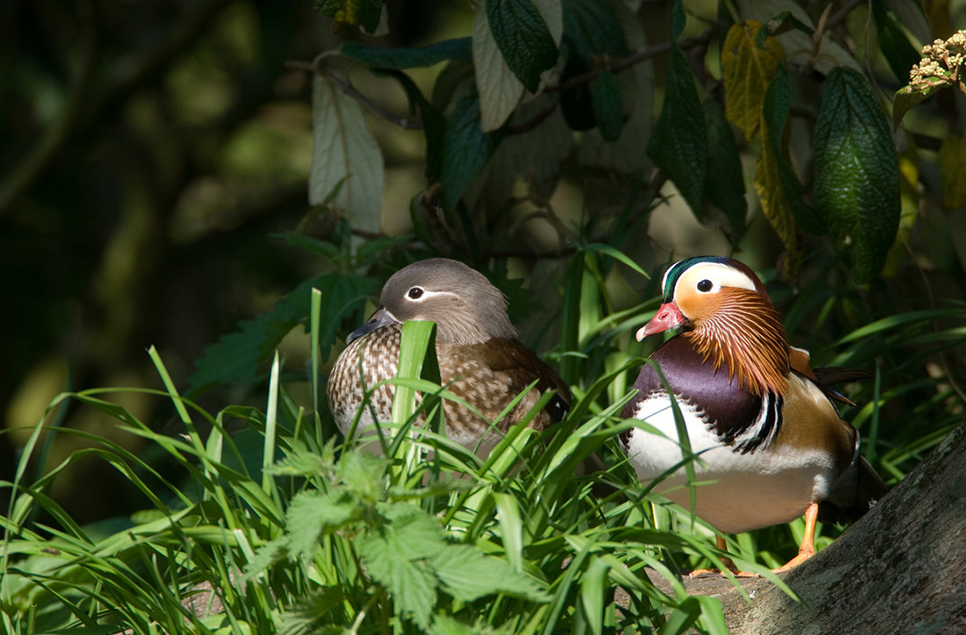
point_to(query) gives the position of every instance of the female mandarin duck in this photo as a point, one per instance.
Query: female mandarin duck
(770, 444)
(480, 359)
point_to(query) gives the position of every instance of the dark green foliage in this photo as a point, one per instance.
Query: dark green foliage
(679, 142)
(857, 174)
(523, 38)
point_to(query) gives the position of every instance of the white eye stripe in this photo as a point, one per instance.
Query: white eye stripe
(720, 275)
(427, 294)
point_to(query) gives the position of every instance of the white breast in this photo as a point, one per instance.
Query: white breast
(735, 492)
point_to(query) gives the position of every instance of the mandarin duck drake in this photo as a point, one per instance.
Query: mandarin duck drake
(769, 442)
(480, 359)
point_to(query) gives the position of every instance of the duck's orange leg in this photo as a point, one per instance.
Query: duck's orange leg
(727, 562)
(807, 548)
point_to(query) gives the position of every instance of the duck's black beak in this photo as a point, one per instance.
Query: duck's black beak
(379, 319)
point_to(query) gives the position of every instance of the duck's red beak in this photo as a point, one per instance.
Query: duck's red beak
(669, 316)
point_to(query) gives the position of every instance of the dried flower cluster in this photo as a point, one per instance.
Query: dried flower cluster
(940, 65)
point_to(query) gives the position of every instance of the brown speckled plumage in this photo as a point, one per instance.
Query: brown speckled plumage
(480, 361)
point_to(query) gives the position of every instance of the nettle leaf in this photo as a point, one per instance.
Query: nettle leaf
(365, 13)
(856, 171)
(679, 142)
(607, 106)
(748, 71)
(895, 46)
(460, 49)
(466, 149)
(523, 38)
(467, 573)
(239, 356)
(397, 555)
(952, 171)
(724, 183)
(345, 155)
(313, 514)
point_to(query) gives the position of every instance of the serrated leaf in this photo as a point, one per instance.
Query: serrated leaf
(856, 171)
(895, 46)
(467, 574)
(460, 49)
(237, 357)
(313, 514)
(466, 149)
(725, 183)
(345, 152)
(798, 45)
(607, 106)
(396, 555)
(500, 89)
(952, 171)
(679, 141)
(523, 39)
(366, 13)
(748, 71)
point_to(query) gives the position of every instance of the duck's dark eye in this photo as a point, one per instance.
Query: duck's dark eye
(415, 293)
(705, 285)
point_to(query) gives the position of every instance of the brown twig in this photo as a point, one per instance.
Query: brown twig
(410, 124)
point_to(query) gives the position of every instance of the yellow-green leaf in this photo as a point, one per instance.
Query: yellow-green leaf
(748, 70)
(952, 171)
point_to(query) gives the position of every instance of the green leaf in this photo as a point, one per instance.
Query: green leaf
(399, 58)
(607, 105)
(523, 39)
(312, 514)
(908, 98)
(467, 574)
(396, 555)
(895, 46)
(237, 357)
(592, 29)
(679, 142)
(345, 155)
(856, 171)
(366, 13)
(466, 149)
(724, 183)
